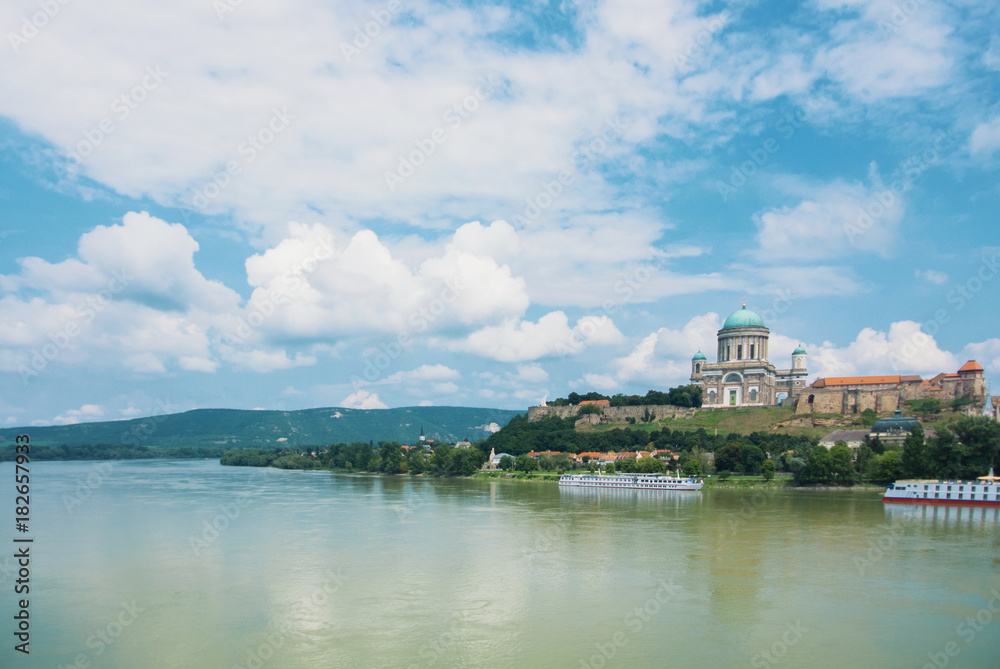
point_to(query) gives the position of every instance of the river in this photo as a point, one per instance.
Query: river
(189, 564)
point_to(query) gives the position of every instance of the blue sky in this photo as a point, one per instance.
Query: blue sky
(257, 204)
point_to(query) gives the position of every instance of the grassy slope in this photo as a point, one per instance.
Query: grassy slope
(778, 420)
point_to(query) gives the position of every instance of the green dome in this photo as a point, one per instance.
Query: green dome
(799, 350)
(699, 356)
(895, 423)
(744, 318)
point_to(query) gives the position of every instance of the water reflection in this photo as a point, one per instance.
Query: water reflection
(632, 497)
(944, 516)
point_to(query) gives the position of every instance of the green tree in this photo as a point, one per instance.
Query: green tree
(724, 475)
(863, 458)
(692, 467)
(506, 463)
(440, 458)
(415, 462)
(980, 435)
(526, 463)
(753, 458)
(464, 461)
(885, 467)
(562, 462)
(841, 464)
(393, 461)
(768, 468)
(914, 461)
(650, 465)
(729, 457)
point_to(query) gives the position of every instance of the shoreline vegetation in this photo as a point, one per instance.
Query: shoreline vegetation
(739, 448)
(541, 450)
(88, 452)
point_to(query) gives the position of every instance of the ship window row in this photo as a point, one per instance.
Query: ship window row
(972, 496)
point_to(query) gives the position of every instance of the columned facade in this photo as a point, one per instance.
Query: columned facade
(742, 375)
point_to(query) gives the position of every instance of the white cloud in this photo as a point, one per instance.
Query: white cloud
(661, 357)
(144, 259)
(258, 360)
(833, 220)
(133, 298)
(991, 58)
(519, 341)
(664, 357)
(308, 286)
(904, 349)
(531, 373)
(788, 75)
(932, 275)
(86, 413)
(196, 364)
(887, 52)
(985, 138)
(986, 353)
(425, 373)
(363, 399)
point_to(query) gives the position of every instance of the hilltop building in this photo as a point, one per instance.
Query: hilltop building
(855, 394)
(742, 375)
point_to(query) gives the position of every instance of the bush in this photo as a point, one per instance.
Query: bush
(725, 474)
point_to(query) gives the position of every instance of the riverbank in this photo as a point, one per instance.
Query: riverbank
(742, 482)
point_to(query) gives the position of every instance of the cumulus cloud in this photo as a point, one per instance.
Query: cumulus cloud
(310, 287)
(258, 360)
(424, 373)
(363, 399)
(519, 341)
(987, 353)
(904, 349)
(985, 138)
(86, 413)
(833, 220)
(664, 356)
(131, 298)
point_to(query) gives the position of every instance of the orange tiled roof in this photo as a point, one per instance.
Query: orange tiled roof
(858, 380)
(600, 403)
(971, 366)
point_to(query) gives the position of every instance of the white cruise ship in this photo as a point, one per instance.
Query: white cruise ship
(626, 481)
(985, 491)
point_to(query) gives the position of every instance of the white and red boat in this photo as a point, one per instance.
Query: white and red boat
(984, 491)
(631, 481)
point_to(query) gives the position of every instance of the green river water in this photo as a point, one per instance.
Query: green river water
(189, 564)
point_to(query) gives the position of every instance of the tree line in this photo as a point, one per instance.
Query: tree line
(967, 448)
(681, 396)
(386, 457)
(112, 452)
(963, 450)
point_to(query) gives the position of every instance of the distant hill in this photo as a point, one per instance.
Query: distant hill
(236, 428)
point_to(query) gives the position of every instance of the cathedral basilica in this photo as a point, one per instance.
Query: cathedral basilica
(742, 375)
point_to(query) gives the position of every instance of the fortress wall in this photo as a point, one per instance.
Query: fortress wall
(845, 400)
(615, 414)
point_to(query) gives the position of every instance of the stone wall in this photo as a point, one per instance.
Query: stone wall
(886, 397)
(615, 414)
(848, 400)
